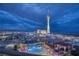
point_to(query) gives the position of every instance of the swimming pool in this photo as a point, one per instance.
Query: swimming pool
(35, 49)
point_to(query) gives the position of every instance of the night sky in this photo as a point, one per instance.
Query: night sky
(30, 17)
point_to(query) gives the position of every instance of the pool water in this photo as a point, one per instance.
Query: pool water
(35, 49)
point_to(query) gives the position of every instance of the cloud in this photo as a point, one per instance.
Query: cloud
(19, 22)
(68, 18)
(33, 7)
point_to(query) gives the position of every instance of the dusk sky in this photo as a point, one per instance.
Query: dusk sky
(30, 17)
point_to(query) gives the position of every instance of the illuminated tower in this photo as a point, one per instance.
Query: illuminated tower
(48, 23)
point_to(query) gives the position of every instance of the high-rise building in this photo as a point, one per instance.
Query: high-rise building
(46, 31)
(48, 23)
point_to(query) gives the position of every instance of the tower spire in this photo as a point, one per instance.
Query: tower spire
(48, 23)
